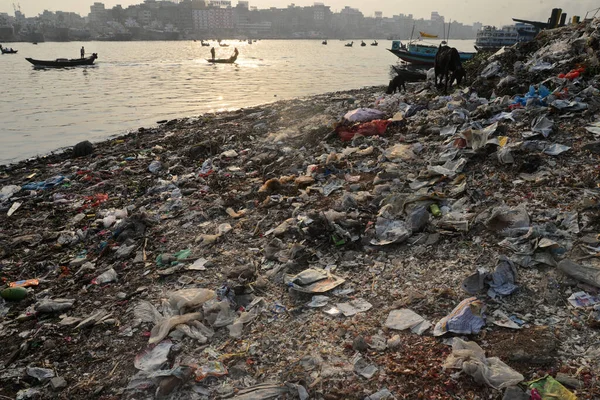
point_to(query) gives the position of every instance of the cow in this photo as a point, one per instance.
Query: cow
(403, 76)
(448, 67)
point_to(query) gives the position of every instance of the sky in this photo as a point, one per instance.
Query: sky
(488, 12)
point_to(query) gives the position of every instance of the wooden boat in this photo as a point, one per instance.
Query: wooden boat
(349, 44)
(374, 43)
(324, 42)
(8, 51)
(363, 44)
(229, 60)
(64, 62)
(427, 35)
(223, 45)
(204, 44)
(421, 54)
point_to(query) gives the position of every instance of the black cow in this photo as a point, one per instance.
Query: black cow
(404, 75)
(447, 61)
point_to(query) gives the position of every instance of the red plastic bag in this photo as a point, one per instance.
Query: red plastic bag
(573, 74)
(373, 128)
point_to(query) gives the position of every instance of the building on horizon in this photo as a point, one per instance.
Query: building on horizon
(436, 17)
(98, 14)
(223, 18)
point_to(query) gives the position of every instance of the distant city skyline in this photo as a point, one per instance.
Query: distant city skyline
(466, 11)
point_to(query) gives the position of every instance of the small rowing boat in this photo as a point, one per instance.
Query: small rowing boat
(229, 60)
(64, 62)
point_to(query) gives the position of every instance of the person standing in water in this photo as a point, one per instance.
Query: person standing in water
(212, 53)
(82, 52)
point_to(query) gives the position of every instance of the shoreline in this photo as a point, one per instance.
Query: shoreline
(274, 251)
(64, 151)
(223, 40)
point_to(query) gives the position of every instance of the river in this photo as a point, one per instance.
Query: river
(136, 84)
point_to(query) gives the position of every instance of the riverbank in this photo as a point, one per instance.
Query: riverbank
(245, 210)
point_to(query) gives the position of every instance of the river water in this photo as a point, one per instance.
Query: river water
(135, 84)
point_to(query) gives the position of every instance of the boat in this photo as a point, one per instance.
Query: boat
(64, 62)
(362, 44)
(427, 35)
(324, 42)
(374, 43)
(8, 51)
(34, 43)
(421, 54)
(223, 45)
(349, 44)
(229, 60)
(204, 44)
(489, 38)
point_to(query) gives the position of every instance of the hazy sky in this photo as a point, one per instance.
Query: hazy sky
(496, 12)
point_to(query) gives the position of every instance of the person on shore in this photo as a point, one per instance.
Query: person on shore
(82, 52)
(212, 53)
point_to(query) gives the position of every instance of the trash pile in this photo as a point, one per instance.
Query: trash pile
(352, 245)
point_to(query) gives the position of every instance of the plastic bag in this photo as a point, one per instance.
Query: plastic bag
(147, 312)
(389, 231)
(153, 358)
(190, 298)
(469, 357)
(106, 277)
(363, 115)
(162, 329)
(466, 318)
(550, 388)
(40, 374)
(373, 128)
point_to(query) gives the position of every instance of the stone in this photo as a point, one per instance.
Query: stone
(394, 342)
(569, 381)
(359, 344)
(58, 383)
(515, 393)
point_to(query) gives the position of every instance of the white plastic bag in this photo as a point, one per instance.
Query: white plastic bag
(469, 357)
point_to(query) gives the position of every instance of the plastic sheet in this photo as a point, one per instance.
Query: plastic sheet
(154, 357)
(106, 277)
(407, 319)
(389, 231)
(147, 312)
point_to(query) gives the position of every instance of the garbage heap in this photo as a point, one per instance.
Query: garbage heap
(352, 245)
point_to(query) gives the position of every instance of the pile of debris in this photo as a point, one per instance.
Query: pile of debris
(347, 246)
